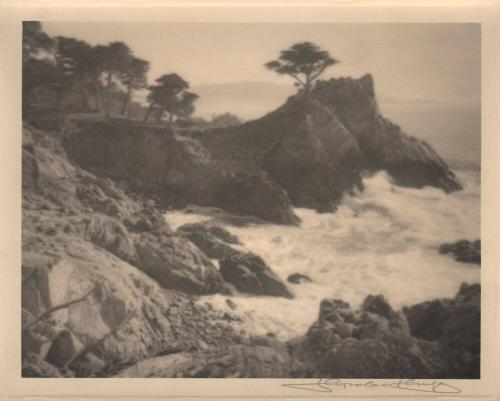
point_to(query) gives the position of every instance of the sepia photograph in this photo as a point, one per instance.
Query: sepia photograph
(251, 200)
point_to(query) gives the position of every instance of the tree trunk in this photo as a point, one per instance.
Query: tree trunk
(85, 98)
(126, 101)
(97, 95)
(158, 117)
(170, 119)
(108, 93)
(307, 89)
(150, 108)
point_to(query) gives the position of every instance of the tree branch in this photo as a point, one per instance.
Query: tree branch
(297, 78)
(55, 308)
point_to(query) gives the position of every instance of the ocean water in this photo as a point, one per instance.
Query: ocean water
(383, 240)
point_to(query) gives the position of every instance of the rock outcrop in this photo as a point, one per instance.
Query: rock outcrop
(306, 154)
(377, 342)
(455, 324)
(464, 251)
(250, 274)
(175, 169)
(298, 278)
(105, 282)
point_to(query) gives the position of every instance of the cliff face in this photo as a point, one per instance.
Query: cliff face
(305, 154)
(410, 161)
(175, 169)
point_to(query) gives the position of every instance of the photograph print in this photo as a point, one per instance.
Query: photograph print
(259, 200)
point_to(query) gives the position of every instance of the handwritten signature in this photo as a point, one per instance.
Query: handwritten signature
(328, 385)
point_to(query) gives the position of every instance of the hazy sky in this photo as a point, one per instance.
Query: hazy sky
(415, 66)
(419, 61)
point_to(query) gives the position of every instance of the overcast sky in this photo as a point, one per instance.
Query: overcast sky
(416, 67)
(416, 61)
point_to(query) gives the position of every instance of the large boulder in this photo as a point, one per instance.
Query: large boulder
(250, 274)
(212, 240)
(178, 264)
(454, 322)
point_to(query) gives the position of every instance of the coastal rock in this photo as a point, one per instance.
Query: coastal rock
(464, 251)
(111, 235)
(453, 322)
(238, 361)
(410, 161)
(298, 278)
(86, 261)
(250, 274)
(177, 264)
(216, 231)
(63, 348)
(378, 342)
(316, 160)
(175, 170)
(306, 153)
(212, 240)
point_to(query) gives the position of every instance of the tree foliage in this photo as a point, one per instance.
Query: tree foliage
(35, 40)
(134, 77)
(225, 120)
(304, 62)
(114, 58)
(170, 94)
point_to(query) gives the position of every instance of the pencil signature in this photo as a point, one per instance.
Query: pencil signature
(328, 385)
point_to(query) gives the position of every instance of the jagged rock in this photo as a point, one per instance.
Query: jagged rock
(298, 278)
(455, 322)
(212, 240)
(176, 170)
(63, 348)
(250, 274)
(307, 152)
(84, 260)
(111, 235)
(218, 232)
(317, 159)
(464, 251)
(376, 342)
(210, 245)
(410, 161)
(34, 367)
(177, 264)
(153, 221)
(426, 319)
(91, 195)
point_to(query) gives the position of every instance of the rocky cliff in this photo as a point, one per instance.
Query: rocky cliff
(305, 154)
(105, 281)
(108, 288)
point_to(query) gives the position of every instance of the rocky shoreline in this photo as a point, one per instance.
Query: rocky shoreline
(109, 289)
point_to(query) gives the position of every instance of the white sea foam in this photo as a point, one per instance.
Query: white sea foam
(383, 240)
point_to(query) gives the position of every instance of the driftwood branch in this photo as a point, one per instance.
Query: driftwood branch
(85, 350)
(55, 308)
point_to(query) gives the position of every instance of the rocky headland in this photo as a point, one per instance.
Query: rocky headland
(305, 154)
(108, 288)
